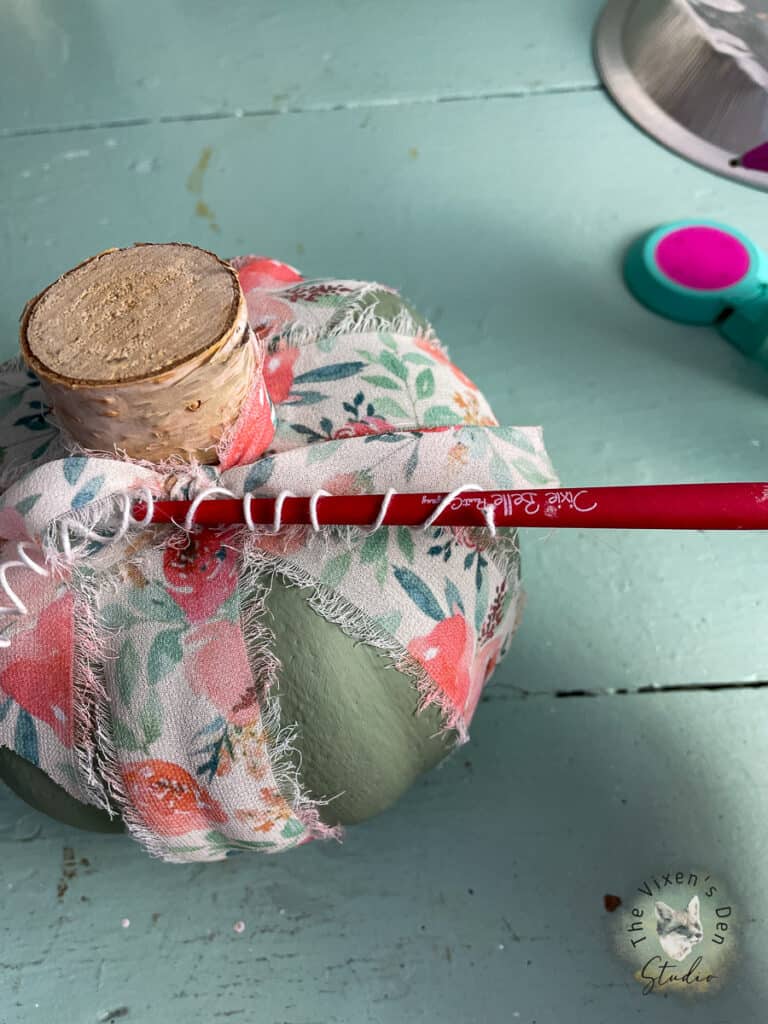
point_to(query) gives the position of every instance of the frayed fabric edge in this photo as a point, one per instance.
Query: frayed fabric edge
(358, 625)
(284, 756)
(97, 762)
(357, 317)
(97, 757)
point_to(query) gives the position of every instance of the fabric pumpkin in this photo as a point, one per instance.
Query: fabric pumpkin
(215, 689)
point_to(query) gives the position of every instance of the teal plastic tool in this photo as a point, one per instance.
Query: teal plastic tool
(704, 272)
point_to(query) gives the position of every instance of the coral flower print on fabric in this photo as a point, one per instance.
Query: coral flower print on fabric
(39, 679)
(278, 371)
(446, 653)
(168, 800)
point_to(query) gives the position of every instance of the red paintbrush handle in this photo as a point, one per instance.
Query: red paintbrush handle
(737, 506)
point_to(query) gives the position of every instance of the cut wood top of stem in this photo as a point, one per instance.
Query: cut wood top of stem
(130, 314)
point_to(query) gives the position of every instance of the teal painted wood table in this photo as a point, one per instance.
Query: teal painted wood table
(466, 154)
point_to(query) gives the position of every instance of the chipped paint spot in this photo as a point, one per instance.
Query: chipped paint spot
(144, 166)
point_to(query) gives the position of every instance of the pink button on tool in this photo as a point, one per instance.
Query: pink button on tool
(703, 258)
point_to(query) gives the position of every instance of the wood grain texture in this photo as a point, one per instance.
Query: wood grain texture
(94, 63)
(145, 350)
(478, 898)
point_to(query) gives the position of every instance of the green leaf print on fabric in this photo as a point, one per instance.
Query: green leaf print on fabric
(125, 737)
(516, 437)
(35, 421)
(300, 428)
(336, 371)
(418, 358)
(27, 504)
(155, 604)
(393, 364)
(374, 547)
(501, 473)
(441, 416)
(25, 738)
(229, 610)
(425, 384)
(292, 828)
(389, 407)
(11, 400)
(151, 719)
(127, 670)
(413, 459)
(88, 492)
(226, 843)
(117, 616)
(390, 622)
(405, 542)
(476, 440)
(530, 472)
(73, 468)
(327, 343)
(165, 654)
(336, 569)
(305, 398)
(215, 748)
(41, 449)
(370, 357)
(453, 597)
(321, 452)
(481, 607)
(382, 571)
(419, 593)
(258, 474)
(374, 551)
(379, 381)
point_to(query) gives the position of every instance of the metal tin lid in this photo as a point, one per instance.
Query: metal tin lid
(694, 75)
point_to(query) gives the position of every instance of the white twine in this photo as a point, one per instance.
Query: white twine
(68, 527)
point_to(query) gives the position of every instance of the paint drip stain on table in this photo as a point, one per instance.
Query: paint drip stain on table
(195, 186)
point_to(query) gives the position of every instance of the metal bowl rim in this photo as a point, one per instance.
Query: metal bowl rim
(621, 84)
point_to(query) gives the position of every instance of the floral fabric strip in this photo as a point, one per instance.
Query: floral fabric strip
(141, 676)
